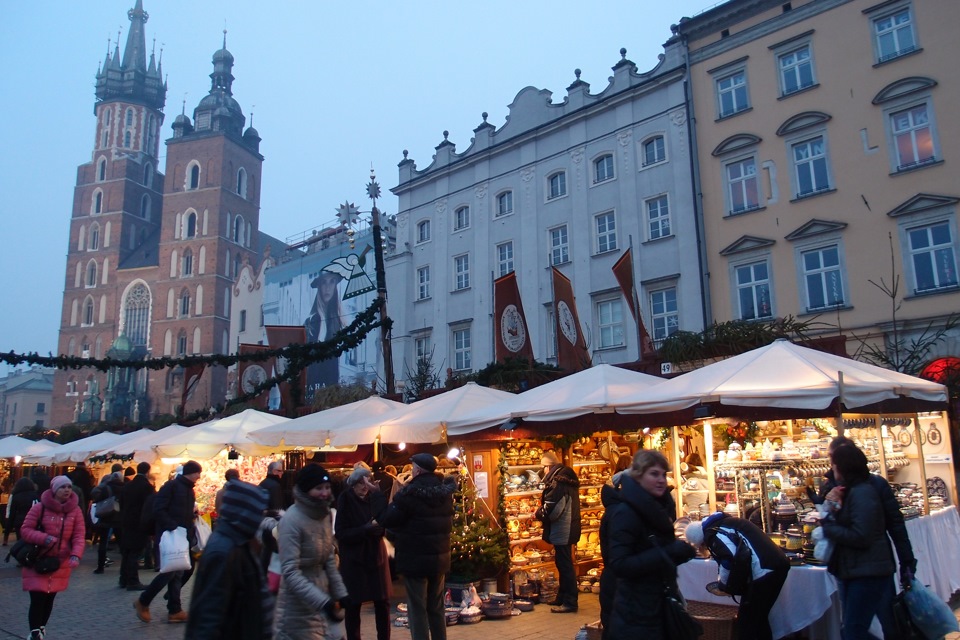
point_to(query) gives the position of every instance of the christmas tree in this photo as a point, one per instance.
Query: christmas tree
(478, 545)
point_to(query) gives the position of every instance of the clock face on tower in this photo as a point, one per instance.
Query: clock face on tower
(568, 326)
(512, 332)
(252, 376)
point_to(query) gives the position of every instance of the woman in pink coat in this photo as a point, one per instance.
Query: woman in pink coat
(60, 534)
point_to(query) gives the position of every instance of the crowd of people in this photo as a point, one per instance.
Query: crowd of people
(302, 563)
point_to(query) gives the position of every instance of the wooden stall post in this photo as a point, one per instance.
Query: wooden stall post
(917, 437)
(677, 479)
(711, 475)
(883, 452)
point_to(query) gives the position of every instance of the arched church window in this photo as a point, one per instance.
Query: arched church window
(136, 316)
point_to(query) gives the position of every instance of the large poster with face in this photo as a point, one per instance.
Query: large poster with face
(323, 294)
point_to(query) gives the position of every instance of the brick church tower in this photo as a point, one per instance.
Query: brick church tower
(152, 255)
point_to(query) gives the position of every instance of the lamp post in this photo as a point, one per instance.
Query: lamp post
(373, 191)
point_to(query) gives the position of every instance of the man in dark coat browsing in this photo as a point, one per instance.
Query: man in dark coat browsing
(560, 513)
(421, 519)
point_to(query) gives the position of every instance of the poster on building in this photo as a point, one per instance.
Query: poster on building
(323, 294)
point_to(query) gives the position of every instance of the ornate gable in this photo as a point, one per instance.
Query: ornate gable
(813, 228)
(923, 202)
(735, 143)
(746, 243)
(903, 87)
(802, 121)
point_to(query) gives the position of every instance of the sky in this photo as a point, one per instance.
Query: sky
(334, 88)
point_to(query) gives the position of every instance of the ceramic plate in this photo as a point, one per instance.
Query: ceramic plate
(937, 487)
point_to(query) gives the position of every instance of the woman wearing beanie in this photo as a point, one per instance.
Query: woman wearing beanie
(309, 604)
(363, 556)
(56, 524)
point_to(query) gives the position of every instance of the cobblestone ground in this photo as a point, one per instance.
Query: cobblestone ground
(95, 608)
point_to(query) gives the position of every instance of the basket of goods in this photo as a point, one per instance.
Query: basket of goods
(470, 615)
(523, 605)
(497, 609)
(717, 619)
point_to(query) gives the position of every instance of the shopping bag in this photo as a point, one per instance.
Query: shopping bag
(901, 620)
(107, 507)
(174, 551)
(203, 534)
(931, 615)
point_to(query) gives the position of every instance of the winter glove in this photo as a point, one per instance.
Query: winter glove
(74, 562)
(679, 551)
(48, 541)
(906, 577)
(333, 611)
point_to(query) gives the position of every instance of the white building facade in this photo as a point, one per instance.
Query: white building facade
(570, 184)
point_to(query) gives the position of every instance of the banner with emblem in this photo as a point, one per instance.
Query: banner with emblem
(252, 373)
(510, 323)
(191, 381)
(623, 271)
(280, 337)
(572, 353)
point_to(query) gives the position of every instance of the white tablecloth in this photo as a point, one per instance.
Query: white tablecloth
(934, 539)
(806, 597)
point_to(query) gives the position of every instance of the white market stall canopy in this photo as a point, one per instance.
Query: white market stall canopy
(76, 451)
(313, 430)
(15, 446)
(206, 440)
(599, 389)
(784, 375)
(140, 443)
(422, 421)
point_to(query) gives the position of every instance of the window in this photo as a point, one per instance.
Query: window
(137, 315)
(753, 291)
(822, 277)
(145, 206)
(423, 231)
(658, 217)
(893, 35)
(88, 314)
(184, 303)
(461, 349)
(557, 185)
(41, 407)
(559, 246)
(238, 232)
(461, 218)
(94, 243)
(97, 202)
(422, 347)
(603, 169)
(504, 259)
(190, 228)
(72, 386)
(127, 139)
(193, 177)
(796, 70)
(810, 166)
(91, 279)
(243, 320)
(732, 93)
(129, 117)
(912, 137)
(186, 264)
(182, 344)
(148, 174)
(102, 170)
(423, 283)
(505, 203)
(743, 188)
(663, 311)
(933, 257)
(461, 269)
(610, 320)
(606, 225)
(654, 151)
(242, 182)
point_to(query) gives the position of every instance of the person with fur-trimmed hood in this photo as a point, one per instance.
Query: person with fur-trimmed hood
(421, 519)
(560, 513)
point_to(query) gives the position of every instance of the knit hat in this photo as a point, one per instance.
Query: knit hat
(694, 533)
(358, 474)
(311, 476)
(191, 466)
(549, 458)
(60, 481)
(243, 506)
(425, 461)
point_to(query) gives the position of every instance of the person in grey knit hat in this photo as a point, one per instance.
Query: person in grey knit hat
(230, 597)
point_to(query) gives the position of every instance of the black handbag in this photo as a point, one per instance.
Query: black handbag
(25, 553)
(46, 564)
(678, 624)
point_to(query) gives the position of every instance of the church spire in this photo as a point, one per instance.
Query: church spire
(135, 53)
(130, 79)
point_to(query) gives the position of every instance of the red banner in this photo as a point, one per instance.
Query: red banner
(279, 337)
(252, 373)
(509, 321)
(191, 380)
(572, 353)
(623, 271)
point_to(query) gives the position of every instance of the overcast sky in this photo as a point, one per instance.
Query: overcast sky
(334, 87)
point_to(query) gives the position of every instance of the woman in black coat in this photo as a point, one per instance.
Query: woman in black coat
(24, 495)
(862, 558)
(364, 565)
(641, 548)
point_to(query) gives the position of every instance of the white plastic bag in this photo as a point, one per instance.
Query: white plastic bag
(174, 551)
(203, 534)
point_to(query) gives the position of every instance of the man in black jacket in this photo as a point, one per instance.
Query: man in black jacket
(132, 498)
(173, 507)
(274, 488)
(230, 595)
(421, 519)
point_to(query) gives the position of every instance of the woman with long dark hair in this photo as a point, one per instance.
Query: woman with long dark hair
(56, 525)
(641, 549)
(21, 500)
(862, 558)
